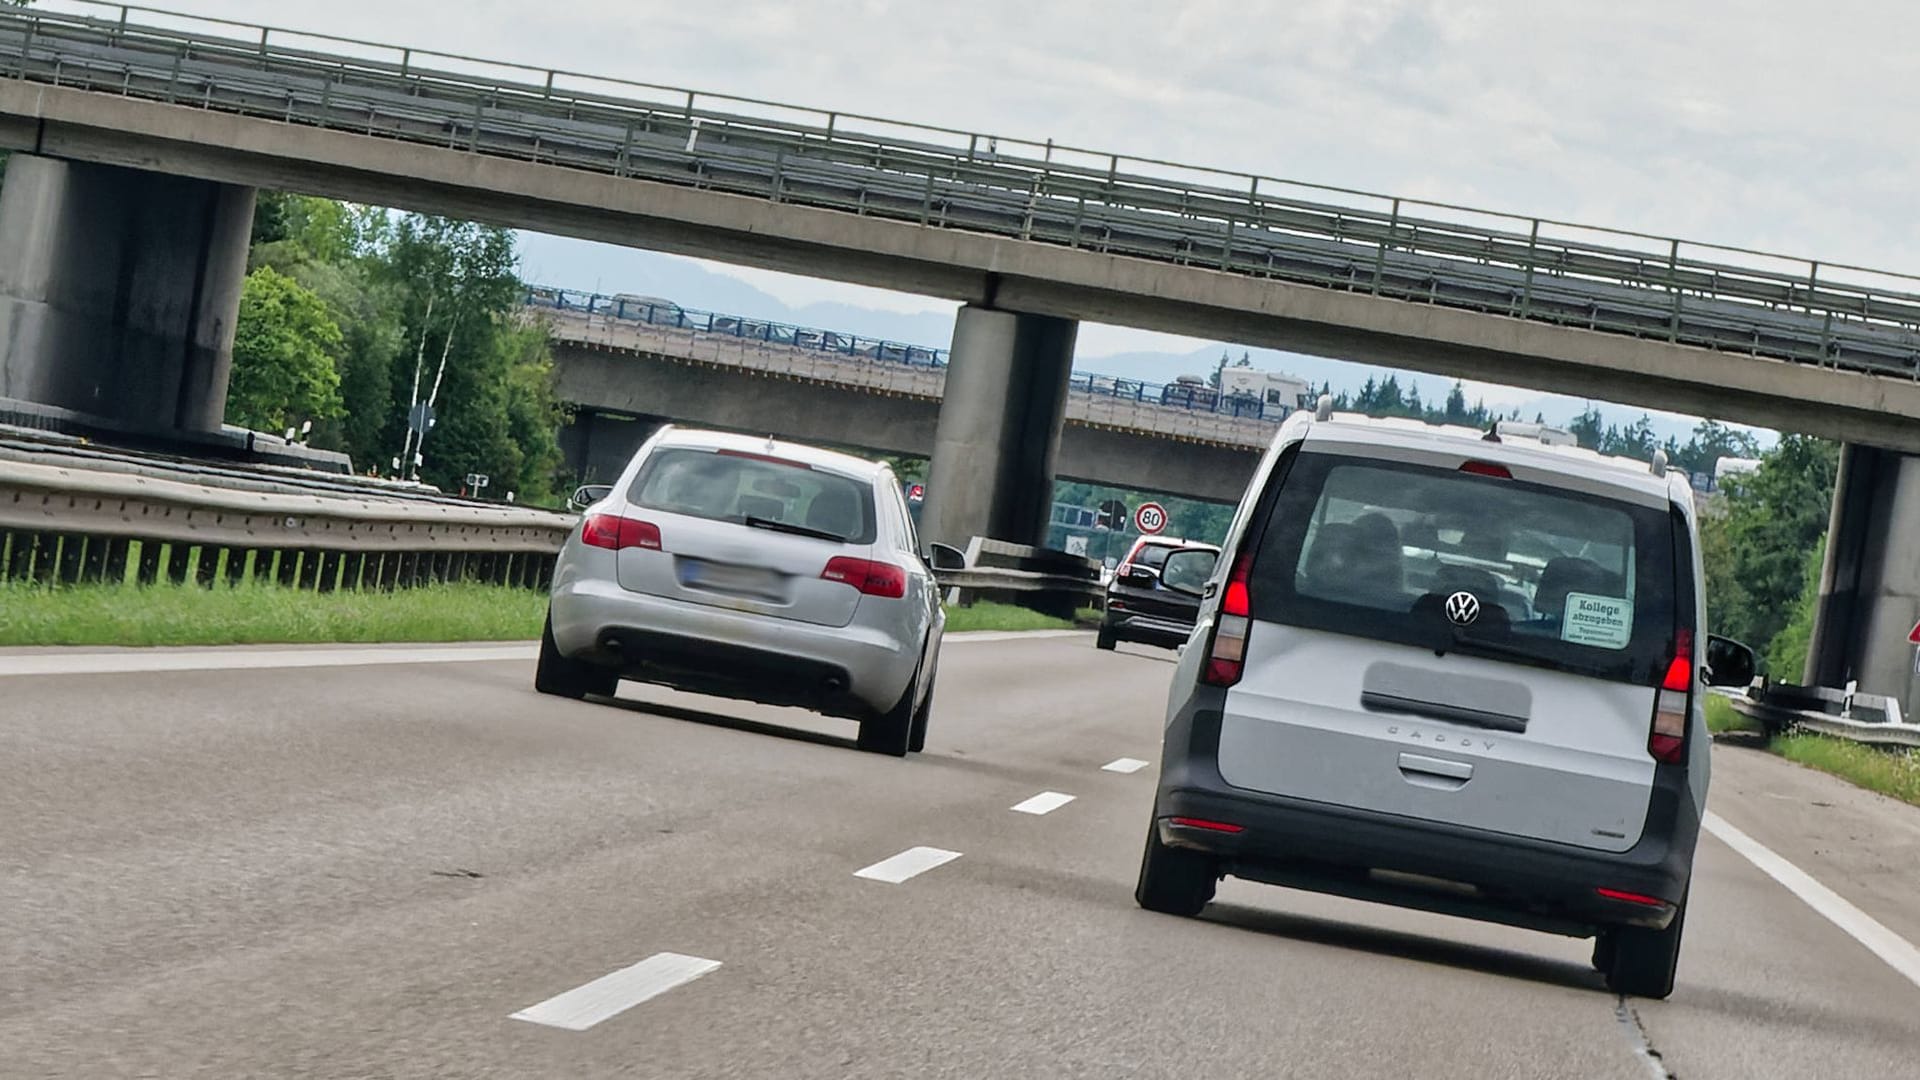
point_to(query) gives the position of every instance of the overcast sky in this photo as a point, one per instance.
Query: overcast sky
(1784, 126)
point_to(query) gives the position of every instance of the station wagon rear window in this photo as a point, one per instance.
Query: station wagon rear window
(1455, 561)
(728, 486)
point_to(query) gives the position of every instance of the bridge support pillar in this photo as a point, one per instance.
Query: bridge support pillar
(118, 292)
(1870, 584)
(999, 428)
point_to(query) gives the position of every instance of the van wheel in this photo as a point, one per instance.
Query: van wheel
(1174, 881)
(1105, 639)
(1641, 963)
(890, 732)
(557, 675)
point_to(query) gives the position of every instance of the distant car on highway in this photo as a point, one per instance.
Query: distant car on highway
(1141, 607)
(1450, 671)
(752, 569)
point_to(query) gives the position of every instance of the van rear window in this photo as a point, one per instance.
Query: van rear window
(1454, 561)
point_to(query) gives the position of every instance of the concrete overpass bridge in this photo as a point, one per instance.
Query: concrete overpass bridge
(626, 371)
(141, 135)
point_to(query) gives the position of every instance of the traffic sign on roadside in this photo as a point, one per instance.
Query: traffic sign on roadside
(1150, 519)
(1913, 636)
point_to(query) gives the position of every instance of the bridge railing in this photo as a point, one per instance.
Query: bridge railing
(667, 315)
(1714, 296)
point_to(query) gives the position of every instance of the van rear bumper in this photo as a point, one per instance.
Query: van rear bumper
(1422, 864)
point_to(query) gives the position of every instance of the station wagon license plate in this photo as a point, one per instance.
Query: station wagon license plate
(738, 580)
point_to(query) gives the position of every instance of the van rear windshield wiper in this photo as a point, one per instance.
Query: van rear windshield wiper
(771, 525)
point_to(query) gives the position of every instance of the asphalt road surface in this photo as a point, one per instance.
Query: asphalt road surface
(422, 869)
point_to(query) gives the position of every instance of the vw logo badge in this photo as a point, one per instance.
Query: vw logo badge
(1463, 608)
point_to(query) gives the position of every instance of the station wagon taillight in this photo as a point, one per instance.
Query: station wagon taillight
(613, 532)
(870, 577)
(1673, 703)
(1227, 653)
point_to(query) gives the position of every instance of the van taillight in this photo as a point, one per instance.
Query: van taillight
(1673, 703)
(613, 532)
(1227, 654)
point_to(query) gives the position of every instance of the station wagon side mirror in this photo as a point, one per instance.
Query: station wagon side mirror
(945, 557)
(1729, 663)
(1187, 571)
(587, 494)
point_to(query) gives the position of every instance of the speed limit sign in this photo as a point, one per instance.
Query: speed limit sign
(1150, 519)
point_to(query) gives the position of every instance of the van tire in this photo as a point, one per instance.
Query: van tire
(557, 675)
(1641, 962)
(1105, 639)
(1174, 881)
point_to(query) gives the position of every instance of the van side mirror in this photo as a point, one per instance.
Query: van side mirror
(1729, 663)
(945, 557)
(587, 494)
(1187, 571)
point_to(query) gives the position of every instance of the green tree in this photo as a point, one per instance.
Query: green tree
(284, 352)
(1774, 517)
(1456, 407)
(1787, 655)
(1586, 428)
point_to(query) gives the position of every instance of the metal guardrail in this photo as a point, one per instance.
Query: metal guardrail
(1537, 269)
(1862, 718)
(61, 525)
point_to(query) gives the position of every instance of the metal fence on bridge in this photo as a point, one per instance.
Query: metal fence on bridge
(1537, 269)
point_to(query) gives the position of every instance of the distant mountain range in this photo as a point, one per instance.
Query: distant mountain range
(572, 264)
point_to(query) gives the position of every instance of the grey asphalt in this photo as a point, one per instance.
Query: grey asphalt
(362, 871)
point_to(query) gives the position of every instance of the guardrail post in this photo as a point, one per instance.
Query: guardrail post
(206, 566)
(148, 570)
(329, 571)
(1380, 256)
(286, 567)
(1526, 290)
(1673, 282)
(238, 563)
(179, 563)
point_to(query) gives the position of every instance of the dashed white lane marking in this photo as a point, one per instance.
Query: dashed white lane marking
(614, 993)
(129, 662)
(909, 863)
(1044, 803)
(1125, 765)
(1897, 951)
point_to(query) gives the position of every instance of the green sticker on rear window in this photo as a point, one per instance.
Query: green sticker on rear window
(1605, 622)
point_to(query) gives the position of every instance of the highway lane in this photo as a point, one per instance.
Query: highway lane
(366, 870)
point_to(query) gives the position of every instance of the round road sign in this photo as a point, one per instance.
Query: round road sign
(1150, 519)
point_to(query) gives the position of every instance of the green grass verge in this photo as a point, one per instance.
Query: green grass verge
(1893, 773)
(121, 614)
(1722, 717)
(1888, 772)
(986, 616)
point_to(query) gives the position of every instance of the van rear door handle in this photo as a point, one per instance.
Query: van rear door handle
(1432, 766)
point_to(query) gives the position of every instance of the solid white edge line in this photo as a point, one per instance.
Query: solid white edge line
(615, 992)
(1044, 803)
(908, 864)
(129, 663)
(1125, 765)
(1898, 952)
(243, 658)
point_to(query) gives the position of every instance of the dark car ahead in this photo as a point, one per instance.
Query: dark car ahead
(1141, 607)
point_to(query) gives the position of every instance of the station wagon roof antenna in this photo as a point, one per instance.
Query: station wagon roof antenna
(1493, 432)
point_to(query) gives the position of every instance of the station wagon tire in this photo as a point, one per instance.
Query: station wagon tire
(891, 732)
(917, 737)
(557, 675)
(1105, 639)
(1642, 962)
(1174, 881)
